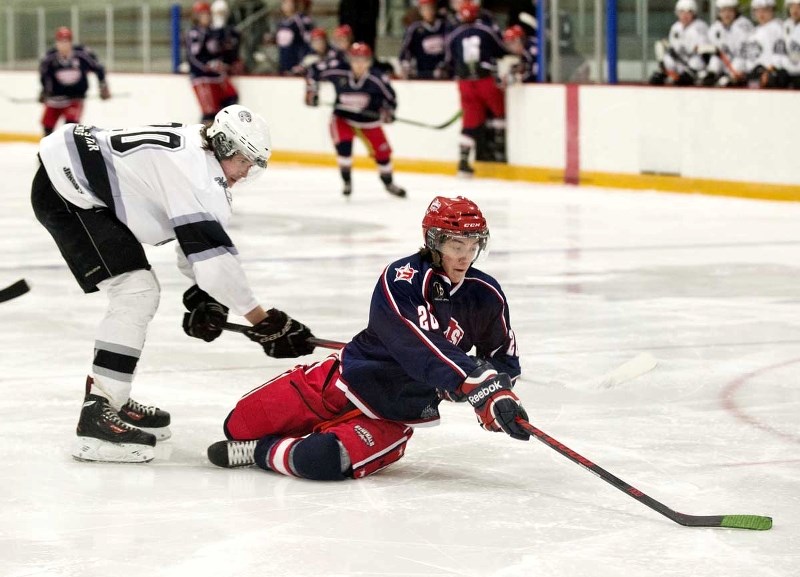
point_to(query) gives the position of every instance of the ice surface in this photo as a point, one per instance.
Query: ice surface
(709, 286)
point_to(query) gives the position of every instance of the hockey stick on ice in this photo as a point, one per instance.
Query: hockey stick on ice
(756, 522)
(324, 343)
(376, 116)
(33, 100)
(627, 371)
(14, 290)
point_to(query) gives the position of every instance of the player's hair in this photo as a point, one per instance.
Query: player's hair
(432, 255)
(206, 140)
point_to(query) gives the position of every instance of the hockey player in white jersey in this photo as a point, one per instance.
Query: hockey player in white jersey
(765, 50)
(791, 28)
(728, 35)
(102, 194)
(680, 61)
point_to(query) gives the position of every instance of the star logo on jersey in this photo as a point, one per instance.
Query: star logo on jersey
(405, 273)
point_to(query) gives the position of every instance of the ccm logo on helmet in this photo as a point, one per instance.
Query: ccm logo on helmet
(471, 224)
(484, 392)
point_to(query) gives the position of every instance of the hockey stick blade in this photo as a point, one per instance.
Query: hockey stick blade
(14, 290)
(636, 367)
(376, 116)
(324, 343)
(755, 522)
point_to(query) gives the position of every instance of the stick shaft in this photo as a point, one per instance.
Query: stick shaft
(324, 343)
(734, 521)
(14, 290)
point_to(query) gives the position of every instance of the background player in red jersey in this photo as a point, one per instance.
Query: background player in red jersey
(364, 101)
(471, 53)
(64, 75)
(206, 52)
(352, 414)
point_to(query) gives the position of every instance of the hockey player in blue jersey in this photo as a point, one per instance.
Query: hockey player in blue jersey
(352, 414)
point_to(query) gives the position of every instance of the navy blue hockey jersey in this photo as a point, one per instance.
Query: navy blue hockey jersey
(204, 52)
(292, 38)
(67, 78)
(358, 101)
(472, 50)
(416, 342)
(423, 48)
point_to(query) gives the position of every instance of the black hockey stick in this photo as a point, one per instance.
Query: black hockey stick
(324, 343)
(756, 522)
(14, 290)
(376, 116)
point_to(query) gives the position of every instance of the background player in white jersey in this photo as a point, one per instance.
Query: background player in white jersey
(680, 61)
(765, 49)
(101, 194)
(728, 35)
(791, 28)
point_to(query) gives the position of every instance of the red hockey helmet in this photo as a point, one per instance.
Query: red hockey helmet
(514, 32)
(459, 217)
(360, 50)
(201, 7)
(64, 33)
(468, 12)
(318, 33)
(343, 30)
(427, 2)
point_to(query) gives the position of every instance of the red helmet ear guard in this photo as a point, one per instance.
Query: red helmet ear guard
(453, 217)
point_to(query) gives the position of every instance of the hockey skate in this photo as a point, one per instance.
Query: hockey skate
(347, 189)
(395, 190)
(149, 419)
(104, 436)
(465, 170)
(231, 454)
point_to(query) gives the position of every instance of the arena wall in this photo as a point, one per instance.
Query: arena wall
(689, 140)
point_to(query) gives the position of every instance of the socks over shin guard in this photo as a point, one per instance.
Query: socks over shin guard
(319, 456)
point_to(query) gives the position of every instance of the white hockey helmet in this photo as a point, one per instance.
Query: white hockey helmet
(792, 2)
(762, 4)
(236, 128)
(720, 4)
(219, 13)
(686, 6)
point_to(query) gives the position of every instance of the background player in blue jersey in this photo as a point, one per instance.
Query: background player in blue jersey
(292, 37)
(422, 51)
(64, 75)
(352, 414)
(364, 101)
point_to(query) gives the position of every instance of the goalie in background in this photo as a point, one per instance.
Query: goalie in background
(728, 35)
(64, 74)
(353, 414)
(680, 61)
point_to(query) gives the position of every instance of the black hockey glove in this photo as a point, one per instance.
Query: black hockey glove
(281, 336)
(206, 315)
(496, 406)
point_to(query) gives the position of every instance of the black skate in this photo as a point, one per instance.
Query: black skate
(465, 170)
(231, 454)
(395, 190)
(104, 436)
(347, 189)
(149, 419)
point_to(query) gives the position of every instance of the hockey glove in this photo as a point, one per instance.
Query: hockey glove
(312, 98)
(387, 115)
(206, 315)
(281, 336)
(496, 406)
(105, 93)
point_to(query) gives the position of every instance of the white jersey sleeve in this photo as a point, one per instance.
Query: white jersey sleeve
(160, 183)
(765, 47)
(730, 42)
(683, 43)
(792, 42)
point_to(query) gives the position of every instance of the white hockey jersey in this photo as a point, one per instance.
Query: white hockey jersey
(684, 43)
(730, 41)
(162, 185)
(765, 47)
(791, 36)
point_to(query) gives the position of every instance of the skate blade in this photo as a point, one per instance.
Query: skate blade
(161, 433)
(88, 449)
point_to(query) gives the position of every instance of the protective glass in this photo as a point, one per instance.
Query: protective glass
(458, 246)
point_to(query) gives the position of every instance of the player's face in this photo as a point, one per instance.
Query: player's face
(236, 168)
(64, 47)
(287, 7)
(727, 15)
(515, 46)
(319, 45)
(203, 19)
(457, 256)
(360, 65)
(685, 17)
(794, 12)
(341, 42)
(763, 15)
(428, 12)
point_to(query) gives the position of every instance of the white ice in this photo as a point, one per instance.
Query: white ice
(709, 286)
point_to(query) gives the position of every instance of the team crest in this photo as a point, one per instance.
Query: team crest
(454, 332)
(405, 273)
(245, 116)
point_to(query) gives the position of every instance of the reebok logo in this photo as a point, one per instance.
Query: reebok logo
(483, 393)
